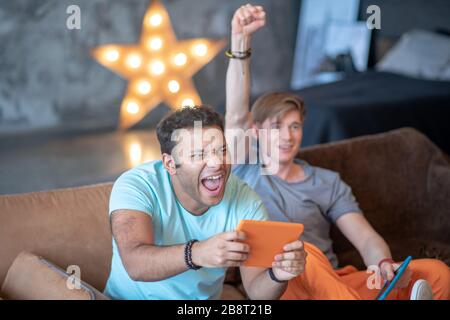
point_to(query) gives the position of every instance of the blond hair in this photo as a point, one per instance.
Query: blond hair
(276, 104)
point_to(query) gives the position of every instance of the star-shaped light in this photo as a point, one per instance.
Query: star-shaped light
(159, 69)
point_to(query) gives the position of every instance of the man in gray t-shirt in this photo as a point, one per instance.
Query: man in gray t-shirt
(316, 202)
(299, 192)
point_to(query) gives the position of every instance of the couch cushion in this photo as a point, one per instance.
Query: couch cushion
(67, 226)
(34, 278)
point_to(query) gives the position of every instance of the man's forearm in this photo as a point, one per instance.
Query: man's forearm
(238, 85)
(374, 250)
(264, 288)
(155, 263)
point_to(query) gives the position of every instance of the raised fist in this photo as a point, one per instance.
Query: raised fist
(248, 19)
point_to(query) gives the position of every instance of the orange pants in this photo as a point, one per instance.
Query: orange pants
(321, 282)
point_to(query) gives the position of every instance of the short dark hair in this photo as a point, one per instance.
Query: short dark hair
(185, 118)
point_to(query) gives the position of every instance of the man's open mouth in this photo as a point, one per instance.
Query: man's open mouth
(213, 184)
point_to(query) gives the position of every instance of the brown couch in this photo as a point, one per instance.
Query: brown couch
(400, 178)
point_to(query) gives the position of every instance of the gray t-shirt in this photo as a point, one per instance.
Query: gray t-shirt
(316, 202)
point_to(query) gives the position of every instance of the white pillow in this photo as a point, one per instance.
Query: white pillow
(420, 54)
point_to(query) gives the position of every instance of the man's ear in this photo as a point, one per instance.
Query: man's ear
(169, 163)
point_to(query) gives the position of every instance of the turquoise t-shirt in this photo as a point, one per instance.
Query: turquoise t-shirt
(148, 188)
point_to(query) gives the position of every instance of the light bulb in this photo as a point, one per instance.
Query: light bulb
(187, 103)
(200, 49)
(112, 55)
(157, 67)
(173, 86)
(155, 44)
(144, 87)
(134, 61)
(180, 59)
(132, 107)
(155, 19)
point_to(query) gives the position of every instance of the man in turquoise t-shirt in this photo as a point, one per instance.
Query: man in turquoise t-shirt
(173, 221)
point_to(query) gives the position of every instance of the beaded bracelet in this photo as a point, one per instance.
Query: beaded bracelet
(188, 255)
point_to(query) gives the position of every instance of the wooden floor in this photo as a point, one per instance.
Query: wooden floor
(36, 163)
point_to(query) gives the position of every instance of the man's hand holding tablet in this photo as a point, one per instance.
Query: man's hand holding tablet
(266, 244)
(275, 245)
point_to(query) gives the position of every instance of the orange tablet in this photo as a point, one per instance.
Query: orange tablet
(267, 239)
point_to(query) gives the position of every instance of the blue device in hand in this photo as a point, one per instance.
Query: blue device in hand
(389, 285)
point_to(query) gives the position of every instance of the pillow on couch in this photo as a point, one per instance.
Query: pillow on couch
(33, 278)
(420, 54)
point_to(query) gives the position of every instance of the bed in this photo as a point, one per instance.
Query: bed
(374, 102)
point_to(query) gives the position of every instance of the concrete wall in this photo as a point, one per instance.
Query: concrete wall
(48, 80)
